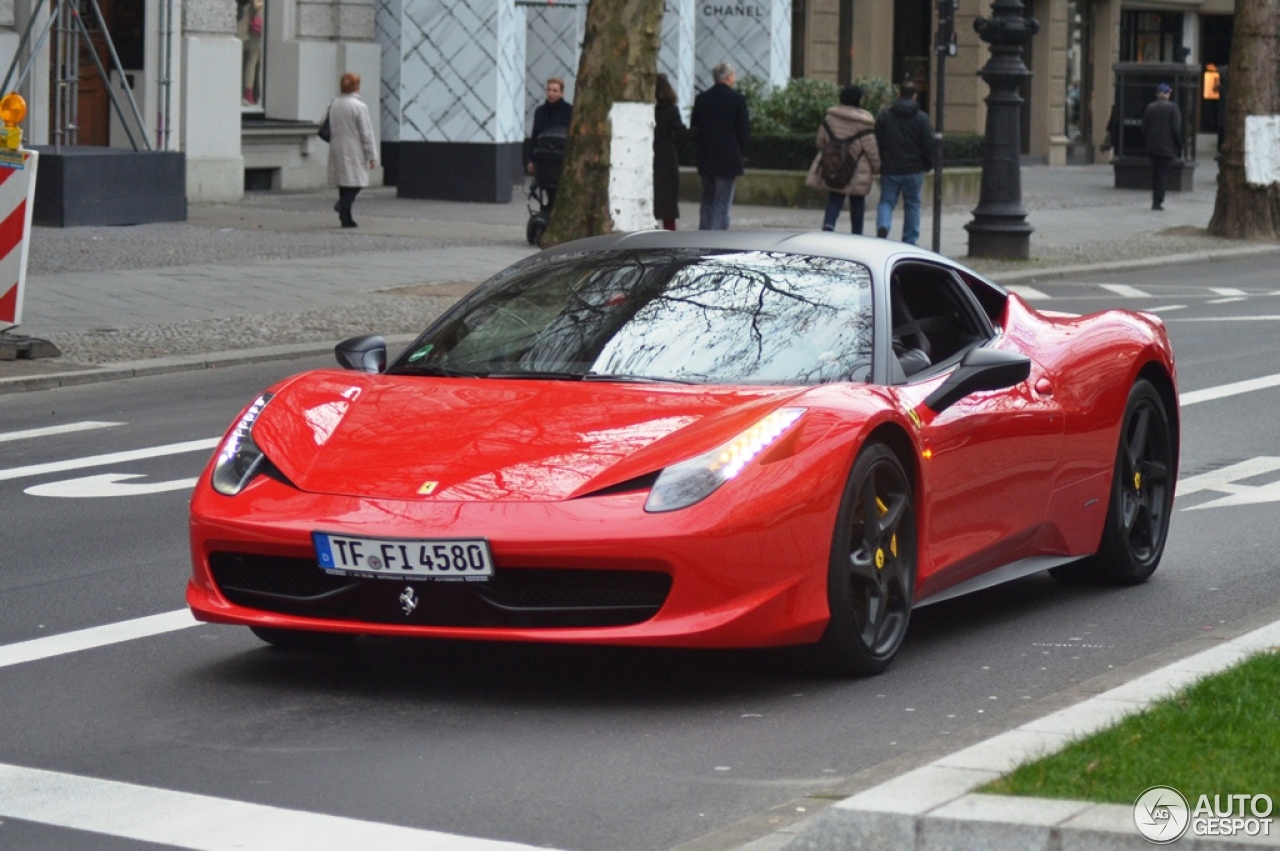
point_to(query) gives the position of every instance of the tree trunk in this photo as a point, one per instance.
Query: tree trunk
(619, 63)
(1241, 210)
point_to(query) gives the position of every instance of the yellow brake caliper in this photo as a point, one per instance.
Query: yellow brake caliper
(893, 541)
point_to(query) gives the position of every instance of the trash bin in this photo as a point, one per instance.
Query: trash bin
(1136, 84)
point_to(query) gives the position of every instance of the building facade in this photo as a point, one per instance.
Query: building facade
(239, 85)
(1070, 94)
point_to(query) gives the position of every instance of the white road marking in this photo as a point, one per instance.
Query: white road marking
(109, 458)
(1028, 293)
(1222, 391)
(203, 822)
(97, 636)
(1228, 300)
(50, 431)
(107, 485)
(1227, 480)
(1227, 291)
(1261, 318)
(1125, 291)
(1165, 308)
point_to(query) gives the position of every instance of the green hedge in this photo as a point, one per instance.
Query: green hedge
(799, 106)
(795, 151)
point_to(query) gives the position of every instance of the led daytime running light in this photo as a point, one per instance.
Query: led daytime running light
(737, 453)
(691, 481)
(239, 459)
(236, 440)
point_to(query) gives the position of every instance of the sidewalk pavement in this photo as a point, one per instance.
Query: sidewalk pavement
(273, 277)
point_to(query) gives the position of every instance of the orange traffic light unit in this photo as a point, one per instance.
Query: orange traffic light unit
(12, 110)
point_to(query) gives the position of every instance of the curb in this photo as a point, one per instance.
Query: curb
(1058, 272)
(934, 807)
(180, 363)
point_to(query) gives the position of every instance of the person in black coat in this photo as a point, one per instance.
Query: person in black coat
(723, 124)
(1162, 129)
(904, 136)
(668, 131)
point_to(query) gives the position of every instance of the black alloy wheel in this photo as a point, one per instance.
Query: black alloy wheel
(872, 572)
(1141, 502)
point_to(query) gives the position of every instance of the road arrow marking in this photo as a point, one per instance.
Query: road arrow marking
(108, 484)
(1227, 480)
(109, 458)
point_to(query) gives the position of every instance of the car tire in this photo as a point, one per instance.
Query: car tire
(297, 639)
(872, 572)
(1141, 501)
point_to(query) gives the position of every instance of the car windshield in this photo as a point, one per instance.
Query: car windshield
(731, 317)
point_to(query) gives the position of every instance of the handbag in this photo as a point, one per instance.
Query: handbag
(325, 131)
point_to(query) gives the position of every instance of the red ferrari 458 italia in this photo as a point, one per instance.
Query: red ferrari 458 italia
(694, 439)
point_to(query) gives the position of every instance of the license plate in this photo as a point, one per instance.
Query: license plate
(458, 559)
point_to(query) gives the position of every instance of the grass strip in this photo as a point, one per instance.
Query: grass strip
(1220, 735)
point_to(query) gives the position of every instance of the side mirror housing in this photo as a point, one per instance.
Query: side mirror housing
(980, 369)
(365, 354)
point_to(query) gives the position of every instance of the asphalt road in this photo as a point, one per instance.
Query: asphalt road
(561, 747)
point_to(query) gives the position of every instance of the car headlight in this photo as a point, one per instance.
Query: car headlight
(239, 458)
(683, 484)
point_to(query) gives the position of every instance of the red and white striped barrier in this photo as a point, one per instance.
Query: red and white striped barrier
(17, 201)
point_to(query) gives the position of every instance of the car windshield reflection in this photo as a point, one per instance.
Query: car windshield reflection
(682, 316)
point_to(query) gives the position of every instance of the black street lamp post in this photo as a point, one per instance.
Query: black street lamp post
(999, 227)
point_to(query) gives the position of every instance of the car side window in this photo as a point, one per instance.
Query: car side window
(934, 321)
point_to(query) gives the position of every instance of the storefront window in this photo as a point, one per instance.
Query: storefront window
(1079, 70)
(250, 26)
(1150, 36)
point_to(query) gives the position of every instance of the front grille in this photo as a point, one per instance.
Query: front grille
(514, 597)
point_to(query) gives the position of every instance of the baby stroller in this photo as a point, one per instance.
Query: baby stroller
(548, 160)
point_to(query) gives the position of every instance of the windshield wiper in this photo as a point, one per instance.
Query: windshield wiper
(634, 379)
(538, 375)
(442, 371)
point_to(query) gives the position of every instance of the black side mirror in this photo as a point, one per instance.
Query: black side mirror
(980, 369)
(366, 354)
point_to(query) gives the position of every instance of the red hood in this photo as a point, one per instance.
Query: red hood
(363, 435)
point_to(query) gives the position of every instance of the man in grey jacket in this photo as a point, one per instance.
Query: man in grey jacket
(1162, 128)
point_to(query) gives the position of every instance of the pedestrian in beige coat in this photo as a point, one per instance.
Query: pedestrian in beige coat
(352, 150)
(848, 120)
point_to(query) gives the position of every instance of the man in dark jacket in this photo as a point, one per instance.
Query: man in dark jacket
(1162, 129)
(555, 111)
(905, 139)
(723, 125)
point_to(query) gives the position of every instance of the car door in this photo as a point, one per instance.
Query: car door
(989, 459)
